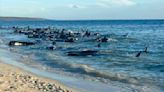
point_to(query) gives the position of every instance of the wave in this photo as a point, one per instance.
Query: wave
(89, 70)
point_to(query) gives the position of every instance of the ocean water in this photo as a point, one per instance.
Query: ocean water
(116, 60)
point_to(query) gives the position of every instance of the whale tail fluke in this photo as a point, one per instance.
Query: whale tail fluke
(145, 50)
(139, 53)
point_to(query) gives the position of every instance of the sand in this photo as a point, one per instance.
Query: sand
(13, 79)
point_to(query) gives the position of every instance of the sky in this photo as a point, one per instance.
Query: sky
(83, 9)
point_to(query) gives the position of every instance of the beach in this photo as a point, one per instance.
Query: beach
(13, 79)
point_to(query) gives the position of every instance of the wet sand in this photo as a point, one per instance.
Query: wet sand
(13, 79)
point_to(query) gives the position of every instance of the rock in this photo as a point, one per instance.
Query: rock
(49, 86)
(1, 75)
(1, 82)
(12, 87)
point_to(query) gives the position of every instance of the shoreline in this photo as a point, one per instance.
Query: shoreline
(16, 79)
(69, 82)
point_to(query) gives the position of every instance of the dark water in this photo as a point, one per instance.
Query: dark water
(117, 61)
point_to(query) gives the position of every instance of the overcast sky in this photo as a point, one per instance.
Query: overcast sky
(84, 9)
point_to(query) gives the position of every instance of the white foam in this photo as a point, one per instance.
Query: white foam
(79, 84)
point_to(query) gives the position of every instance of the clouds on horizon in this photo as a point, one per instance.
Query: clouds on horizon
(116, 2)
(76, 6)
(73, 9)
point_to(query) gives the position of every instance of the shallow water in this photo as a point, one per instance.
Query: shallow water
(116, 60)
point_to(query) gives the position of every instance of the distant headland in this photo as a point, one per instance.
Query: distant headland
(21, 19)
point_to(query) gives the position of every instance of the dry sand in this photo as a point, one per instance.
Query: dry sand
(14, 79)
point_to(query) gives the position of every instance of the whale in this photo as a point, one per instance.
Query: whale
(82, 53)
(20, 43)
(139, 53)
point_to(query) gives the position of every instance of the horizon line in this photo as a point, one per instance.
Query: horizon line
(51, 19)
